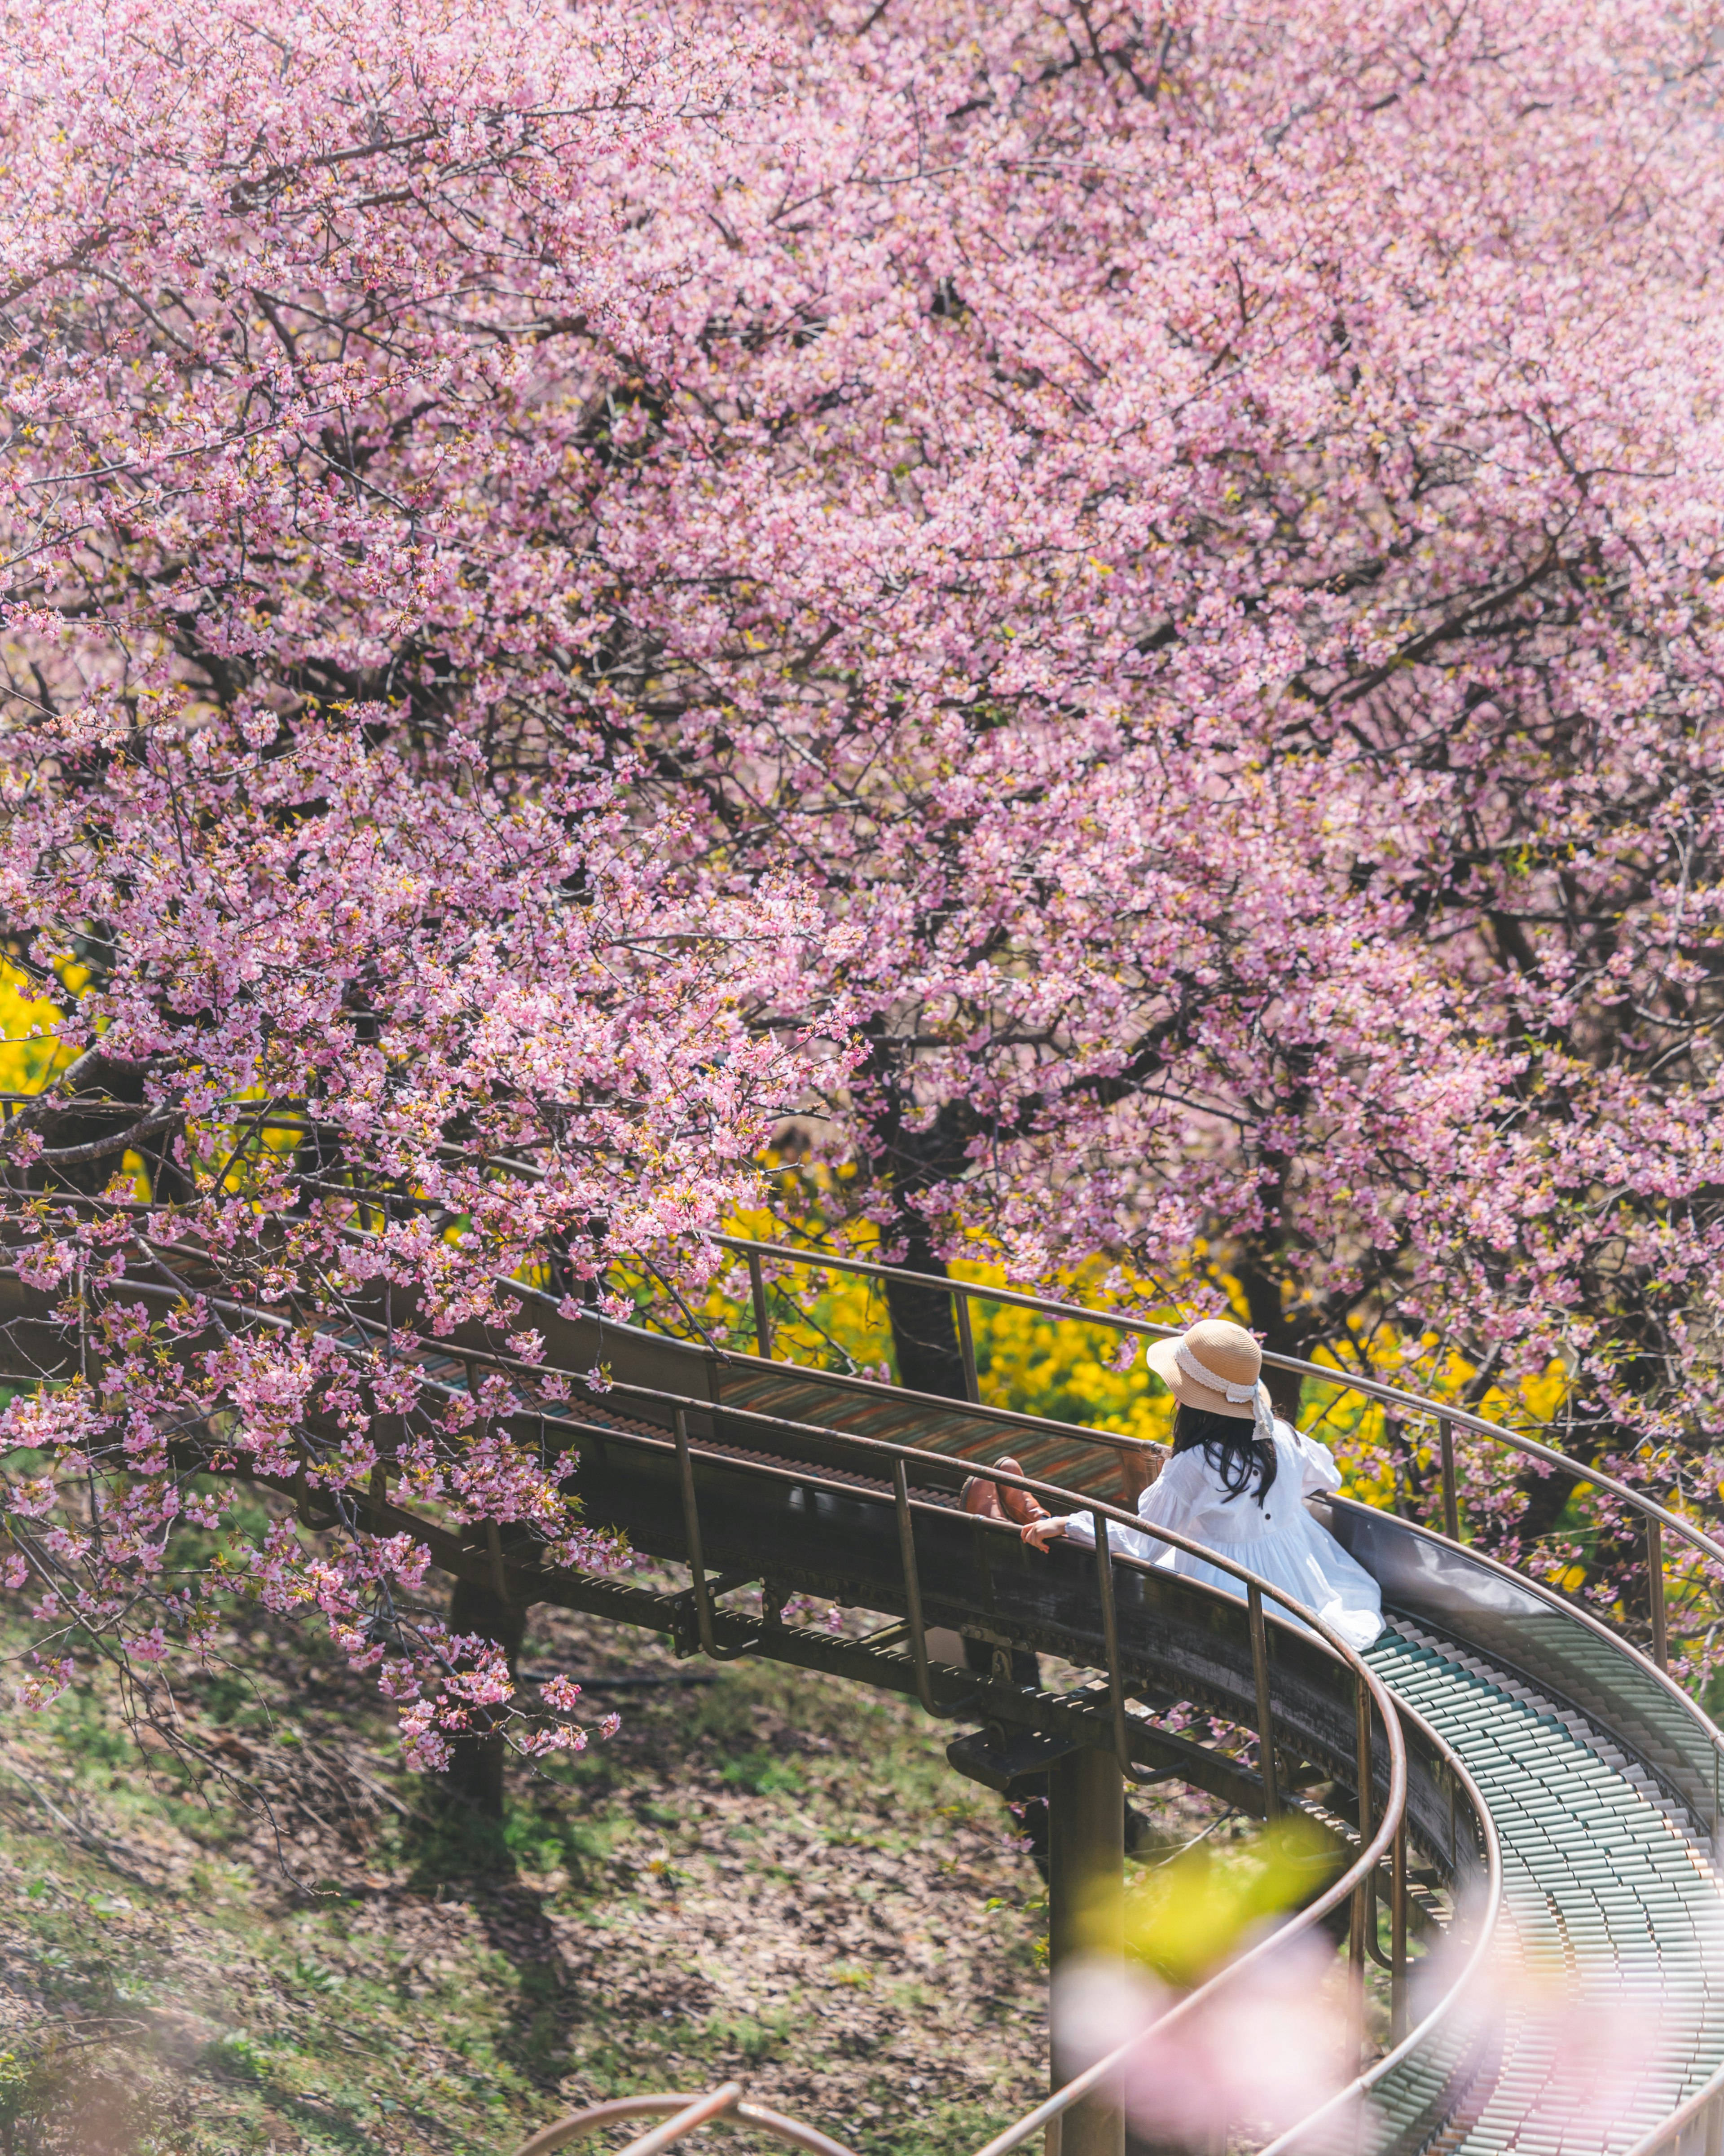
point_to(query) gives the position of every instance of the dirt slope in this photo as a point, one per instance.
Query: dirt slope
(769, 1875)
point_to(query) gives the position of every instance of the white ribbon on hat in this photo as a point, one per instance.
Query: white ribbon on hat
(1263, 1414)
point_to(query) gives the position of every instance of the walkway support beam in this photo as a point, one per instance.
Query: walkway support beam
(1086, 1857)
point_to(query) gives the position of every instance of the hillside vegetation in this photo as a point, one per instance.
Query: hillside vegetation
(763, 1875)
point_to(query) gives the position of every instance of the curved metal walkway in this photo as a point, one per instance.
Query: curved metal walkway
(1497, 1742)
(1599, 2018)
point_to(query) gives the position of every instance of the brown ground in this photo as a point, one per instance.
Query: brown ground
(772, 1877)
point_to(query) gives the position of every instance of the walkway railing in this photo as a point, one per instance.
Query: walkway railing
(1696, 2127)
(452, 1369)
(1382, 1838)
(1656, 1520)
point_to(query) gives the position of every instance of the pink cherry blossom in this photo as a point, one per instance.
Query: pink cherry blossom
(1108, 623)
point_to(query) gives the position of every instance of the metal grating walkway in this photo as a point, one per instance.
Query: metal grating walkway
(1611, 2006)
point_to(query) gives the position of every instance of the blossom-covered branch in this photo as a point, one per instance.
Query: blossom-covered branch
(1189, 541)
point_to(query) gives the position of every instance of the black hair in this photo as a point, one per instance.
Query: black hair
(1230, 1445)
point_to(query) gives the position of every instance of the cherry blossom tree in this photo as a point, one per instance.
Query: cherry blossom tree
(360, 1017)
(1217, 574)
(1160, 566)
(368, 1039)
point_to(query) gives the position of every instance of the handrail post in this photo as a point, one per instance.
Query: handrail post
(697, 1556)
(763, 1323)
(1111, 1643)
(912, 1586)
(913, 1601)
(966, 1344)
(1655, 1592)
(1265, 1723)
(1397, 1938)
(691, 1536)
(1451, 1500)
(1111, 1649)
(1364, 1909)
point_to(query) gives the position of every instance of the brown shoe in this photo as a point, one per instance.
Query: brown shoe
(1020, 1507)
(983, 1498)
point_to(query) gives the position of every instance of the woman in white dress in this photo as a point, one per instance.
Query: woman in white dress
(1236, 1482)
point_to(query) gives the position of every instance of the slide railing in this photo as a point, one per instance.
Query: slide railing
(1656, 1520)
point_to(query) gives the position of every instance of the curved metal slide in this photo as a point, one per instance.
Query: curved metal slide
(1599, 2017)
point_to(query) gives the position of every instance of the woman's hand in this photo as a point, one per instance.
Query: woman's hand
(1038, 1533)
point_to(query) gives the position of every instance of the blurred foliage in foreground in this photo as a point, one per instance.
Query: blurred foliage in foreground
(1185, 1917)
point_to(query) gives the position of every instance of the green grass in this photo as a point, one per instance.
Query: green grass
(774, 1878)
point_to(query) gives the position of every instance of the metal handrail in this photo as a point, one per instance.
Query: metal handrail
(719, 2106)
(1356, 1880)
(1372, 1844)
(1707, 2101)
(1658, 1518)
(1704, 1728)
(1413, 2040)
(884, 1451)
(899, 1457)
(850, 1381)
(1109, 2068)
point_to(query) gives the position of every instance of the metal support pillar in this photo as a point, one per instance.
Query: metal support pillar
(966, 1346)
(1363, 1935)
(1086, 1856)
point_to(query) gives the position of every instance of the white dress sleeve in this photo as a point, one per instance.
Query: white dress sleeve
(1165, 1503)
(1317, 1470)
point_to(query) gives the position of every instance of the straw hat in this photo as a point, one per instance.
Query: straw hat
(1214, 1364)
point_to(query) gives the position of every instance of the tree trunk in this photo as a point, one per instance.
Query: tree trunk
(1256, 1273)
(475, 1769)
(924, 1332)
